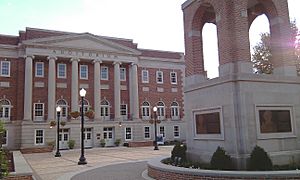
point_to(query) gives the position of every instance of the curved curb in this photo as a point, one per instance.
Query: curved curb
(157, 165)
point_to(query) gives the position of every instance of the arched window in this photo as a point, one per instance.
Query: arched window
(146, 110)
(174, 110)
(64, 107)
(160, 110)
(5, 108)
(105, 109)
(86, 106)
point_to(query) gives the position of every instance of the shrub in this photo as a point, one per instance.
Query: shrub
(102, 142)
(117, 142)
(260, 160)
(3, 160)
(220, 160)
(179, 151)
(71, 144)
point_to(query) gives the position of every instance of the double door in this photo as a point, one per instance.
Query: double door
(108, 135)
(63, 138)
(88, 138)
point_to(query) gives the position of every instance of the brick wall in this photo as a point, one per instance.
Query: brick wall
(24, 177)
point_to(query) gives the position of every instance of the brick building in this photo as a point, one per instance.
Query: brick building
(42, 69)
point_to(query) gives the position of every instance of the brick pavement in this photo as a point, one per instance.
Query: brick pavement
(47, 167)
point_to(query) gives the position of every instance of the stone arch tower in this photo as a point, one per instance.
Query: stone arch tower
(227, 111)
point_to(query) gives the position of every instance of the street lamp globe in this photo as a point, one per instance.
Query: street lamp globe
(58, 109)
(82, 92)
(154, 108)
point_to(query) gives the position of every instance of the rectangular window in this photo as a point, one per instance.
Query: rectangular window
(5, 68)
(39, 137)
(162, 131)
(146, 132)
(83, 72)
(123, 109)
(5, 112)
(145, 76)
(159, 77)
(61, 71)
(176, 132)
(39, 69)
(123, 74)
(39, 111)
(104, 73)
(173, 77)
(4, 143)
(128, 133)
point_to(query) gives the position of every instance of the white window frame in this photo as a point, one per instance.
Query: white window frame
(146, 109)
(86, 106)
(36, 69)
(126, 111)
(5, 137)
(86, 73)
(1, 69)
(35, 137)
(103, 109)
(123, 73)
(157, 77)
(173, 78)
(38, 118)
(149, 132)
(145, 79)
(175, 109)
(4, 107)
(64, 107)
(64, 69)
(101, 77)
(127, 133)
(161, 111)
(164, 131)
(178, 131)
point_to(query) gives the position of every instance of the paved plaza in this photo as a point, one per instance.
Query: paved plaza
(111, 163)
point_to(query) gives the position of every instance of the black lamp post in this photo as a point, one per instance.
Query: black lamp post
(82, 159)
(58, 111)
(155, 128)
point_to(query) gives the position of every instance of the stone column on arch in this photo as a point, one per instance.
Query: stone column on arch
(74, 85)
(117, 90)
(28, 87)
(51, 87)
(133, 88)
(97, 89)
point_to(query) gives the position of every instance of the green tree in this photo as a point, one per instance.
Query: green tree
(3, 160)
(262, 55)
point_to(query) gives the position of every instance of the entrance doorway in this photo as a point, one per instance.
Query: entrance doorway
(108, 135)
(63, 138)
(88, 138)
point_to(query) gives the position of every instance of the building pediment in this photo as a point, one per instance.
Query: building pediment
(85, 42)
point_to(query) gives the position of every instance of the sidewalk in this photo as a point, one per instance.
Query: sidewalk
(47, 167)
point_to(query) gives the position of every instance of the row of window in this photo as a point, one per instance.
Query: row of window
(159, 77)
(83, 72)
(160, 113)
(39, 134)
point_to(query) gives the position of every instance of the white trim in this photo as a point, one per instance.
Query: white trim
(87, 71)
(65, 70)
(279, 135)
(148, 132)
(162, 77)
(175, 131)
(164, 133)
(149, 110)
(147, 77)
(107, 73)
(1, 73)
(131, 134)
(42, 63)
(175, 77)
(39, 118)
(206, 111)
(124, 74)
(36, 137)
(126, 111)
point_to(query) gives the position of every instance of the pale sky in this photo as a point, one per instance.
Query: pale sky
(153, 24)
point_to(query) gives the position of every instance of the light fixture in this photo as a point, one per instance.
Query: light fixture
(154, 108)
(82, 92)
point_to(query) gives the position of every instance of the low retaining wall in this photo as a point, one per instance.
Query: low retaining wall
(37, 150)
(140, 143)
(158, 170)
(22, 169)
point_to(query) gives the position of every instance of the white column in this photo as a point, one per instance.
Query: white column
(117, 90)
(28, 88)
(74, 85)
(97, 88)
(133, 88)
(51, 87)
